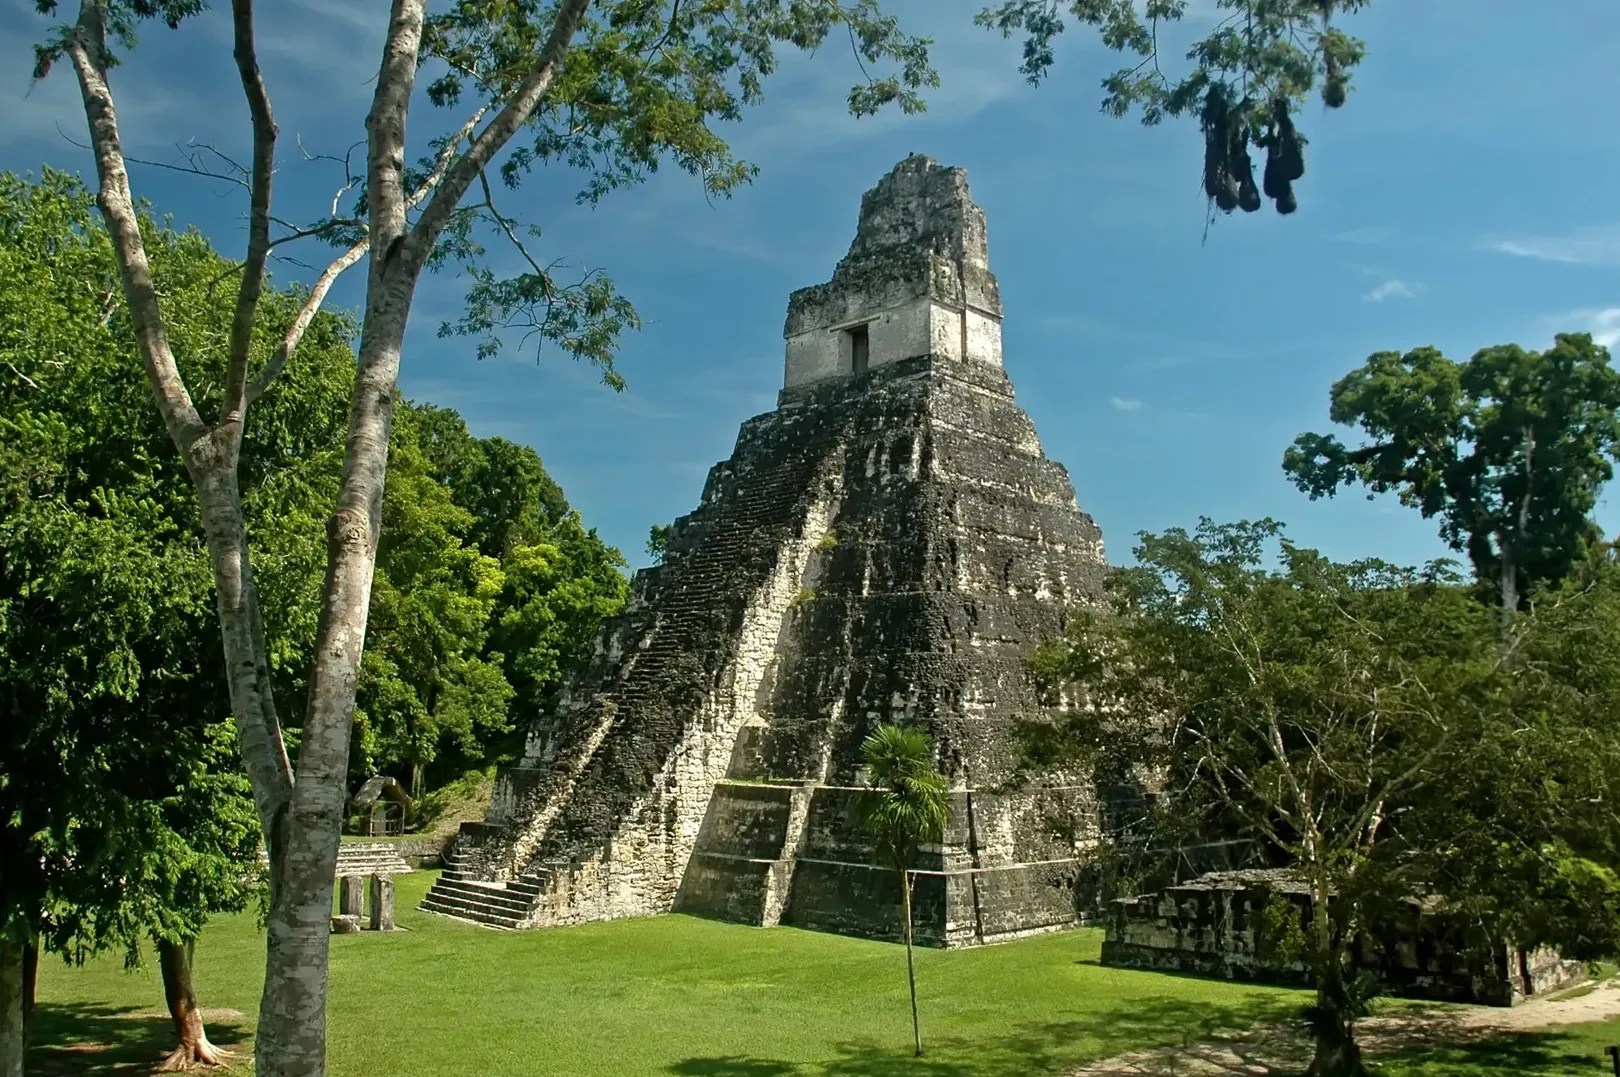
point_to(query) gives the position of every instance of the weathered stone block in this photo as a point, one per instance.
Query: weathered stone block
(351, 895)
(382, 903)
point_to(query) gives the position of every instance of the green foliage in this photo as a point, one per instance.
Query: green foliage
(1508, 450)
(808, 594)
(123, 811)
(644, 84)
(1279, 935)
(1367, 726)
(658, 541)
(1257, 67)
(425, 680)
(558, 580)
(911, 806)
(828, 541)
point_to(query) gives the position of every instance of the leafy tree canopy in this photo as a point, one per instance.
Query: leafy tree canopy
(1508, 450)
(1363, 725)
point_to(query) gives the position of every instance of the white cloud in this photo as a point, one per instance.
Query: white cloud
(1391, 289)
(1604, 325)
(1597, 245)
(1122, 404)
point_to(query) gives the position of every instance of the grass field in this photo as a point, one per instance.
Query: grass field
(675, 995)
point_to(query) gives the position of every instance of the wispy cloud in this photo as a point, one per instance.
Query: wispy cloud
(1597, 245)
(807, 113)
(1123, 404)
(1370, 235)
(1392, 289)
(1603, 324)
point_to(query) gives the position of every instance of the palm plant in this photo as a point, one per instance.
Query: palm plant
(910, 808)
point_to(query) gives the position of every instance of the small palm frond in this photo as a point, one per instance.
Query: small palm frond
(912, 805)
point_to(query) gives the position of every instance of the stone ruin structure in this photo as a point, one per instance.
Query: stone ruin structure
(358, 864)
(888, 545)
(1206, 926)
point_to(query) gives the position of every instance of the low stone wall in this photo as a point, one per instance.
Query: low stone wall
(1207, 927)
(419, 851)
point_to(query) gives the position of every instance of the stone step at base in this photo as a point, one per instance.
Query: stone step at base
(486, 915)
(482, 894)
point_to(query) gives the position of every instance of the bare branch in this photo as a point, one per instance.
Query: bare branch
(264, 149)
(24, 378)
(301, 321)
(446, 155)
(190, 169)
(323, 284)
(505, 225)
(88, 49)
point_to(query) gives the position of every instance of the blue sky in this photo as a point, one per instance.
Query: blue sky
(1467, 196)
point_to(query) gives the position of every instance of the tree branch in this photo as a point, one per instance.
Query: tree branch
(323, 284)
(264, 151)
(87, 46)
(385, 128)
(301, 321)
(500, 130)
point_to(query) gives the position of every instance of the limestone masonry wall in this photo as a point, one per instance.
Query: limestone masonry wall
(1207, 926)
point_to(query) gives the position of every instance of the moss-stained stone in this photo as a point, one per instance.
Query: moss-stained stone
(888, 545)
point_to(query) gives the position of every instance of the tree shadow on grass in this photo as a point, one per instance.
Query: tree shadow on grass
(100, 1041)
(1053, 1047)
(1546, 1053)
(1178, 1040)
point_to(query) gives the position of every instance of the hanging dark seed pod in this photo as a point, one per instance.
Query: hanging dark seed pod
(1273, 182)
(1214, 168)
(1219, 183)
(1286, 202)
(1335, 90)
(1241, 168)
(1337, 83)
(1290, 147)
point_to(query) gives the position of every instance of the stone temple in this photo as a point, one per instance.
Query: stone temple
(888, 545)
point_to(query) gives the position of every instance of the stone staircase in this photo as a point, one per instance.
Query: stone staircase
(499, 905)
(697, 604)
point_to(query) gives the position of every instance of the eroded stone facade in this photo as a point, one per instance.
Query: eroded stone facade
(888, 545)
(1208, 926)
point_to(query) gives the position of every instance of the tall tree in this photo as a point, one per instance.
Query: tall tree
(909, 809)
(1508, 450)
(1248, 77)
(1360, 724)
(122, 813)
(613, 87)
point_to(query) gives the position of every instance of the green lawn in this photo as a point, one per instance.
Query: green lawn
(1567, 1051)
(675, 995)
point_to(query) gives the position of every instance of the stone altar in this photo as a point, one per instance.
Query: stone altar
(888, 545)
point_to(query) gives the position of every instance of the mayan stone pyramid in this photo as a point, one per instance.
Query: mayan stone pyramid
(888, 545)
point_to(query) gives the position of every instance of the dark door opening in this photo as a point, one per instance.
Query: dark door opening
(859, 349)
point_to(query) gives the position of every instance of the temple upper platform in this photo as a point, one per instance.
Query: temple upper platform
(916, 281)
